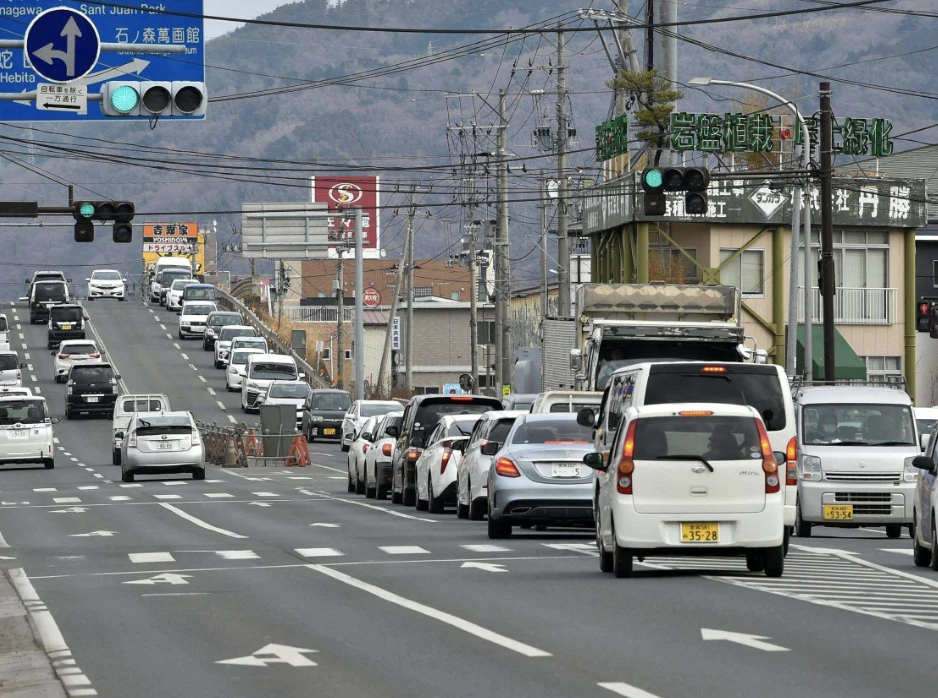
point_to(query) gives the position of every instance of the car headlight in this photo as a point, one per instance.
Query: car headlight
(811, 468)
(910, 474)
(233, 371)
(209, 331)
(316, 418)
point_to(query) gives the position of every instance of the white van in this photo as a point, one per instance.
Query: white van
(26, 431)
(4, 333)
(763, 386)
(856, 446)
(260, 371)
(165, 263)
(124, 409)
(565, 401)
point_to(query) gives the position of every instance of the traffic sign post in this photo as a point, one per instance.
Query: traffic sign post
(62, 45)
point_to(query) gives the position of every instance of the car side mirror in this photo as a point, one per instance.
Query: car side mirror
(119, 435)
(301, 377)
(459, 444)
(69, 280)
(586, 417)
(393, 431)
(87, 279)
(368, 437)
(490, 448)
(576, 360)
(594, 461)
(24, 366)
(27, 281)
(924, 463)
(417, 442)
(53, 353)
(117, 376)
(86, 317)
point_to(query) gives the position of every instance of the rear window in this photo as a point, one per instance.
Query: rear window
(179, 284)
(241, 357)
(331, 401)
(376, 410)
(22, 412)
(245, 342)
(65, 314)
(463, 428)
(221, 320)
(551, 432)
(711, 438)
(50, 292)
(925, 426)
(577, 406)
(199, 294)
(8, 362)
(291, 392)
(145, 405)
(168, 277)
(91, 374)
(273, 372)
(151, 426)
(49, 276)
(760, 389)
(3, 324)
(72, 349)
(198, 309)
(501, 429)
(430, 412)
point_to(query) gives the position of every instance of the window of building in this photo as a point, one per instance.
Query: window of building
(348, 354)
(454, 295)
(883, 369)
(861, 259)
(670, 265)
(326, 354)
(423, 291)
(486, 334)
(746, 271)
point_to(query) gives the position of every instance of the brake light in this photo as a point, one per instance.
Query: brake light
(365, 448)
(386, 449)
(713, 369)
(195, 439)
(444, 461)
(506, 468)
(413, 454)
(791, 457)
(769, 466)
(92, 356)
(132, 440)
(695, 413)
(626, 464)
(62, 357)
(461, 398)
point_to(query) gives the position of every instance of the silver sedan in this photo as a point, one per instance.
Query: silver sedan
(162, 442)
(538, 477)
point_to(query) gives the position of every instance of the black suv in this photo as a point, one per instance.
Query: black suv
(213, 324)
(65, 322)
(323, 413)
(421, 415)
(91, 389)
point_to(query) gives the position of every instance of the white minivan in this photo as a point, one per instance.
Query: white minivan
(26, 431)
(260, 371)
(856, 447)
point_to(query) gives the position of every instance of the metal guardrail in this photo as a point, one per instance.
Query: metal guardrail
(276, 344)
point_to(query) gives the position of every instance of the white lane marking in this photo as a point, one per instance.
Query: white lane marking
(900, 551)
(237, 554)
(220, 405)
(29, 367)
(326, 467)
(55, 439)
(185, 358)
(134, 485)
(176, 344)
(624, 689)
(367, 506)
(52, 640)
(300, 477)
(34, 379)
(26, 356)
(200, 523)
(485, 548)
(180, 593)
(442, 616)
(325, 525)
(67, 500)
(46, 489)
(147, 558)
(403, 550)
(37, 390)
(756, 642)
(96, 475)
(120, 498)
(218, 495)
(202, 378)
(193, 367)
(176, 483)
(89, 487)
(213, 482)
(168, 335)
(22, 336)
(872, 565)
(319, 552)
(3, 543)
(163, 327)
(264, 494)
(211, 391)
(167, 496)
(232, 419)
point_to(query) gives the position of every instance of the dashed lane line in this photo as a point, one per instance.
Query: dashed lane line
(221, 405)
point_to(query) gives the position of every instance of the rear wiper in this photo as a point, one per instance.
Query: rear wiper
(894, 443)
(845, 443)
(688, 457)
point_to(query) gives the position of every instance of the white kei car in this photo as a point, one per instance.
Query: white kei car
(234, 376)
(472, 470)
(379, 457)
(361, 443)
(193, 316)
(692, 479)
(174, 294)
(436, 467)
(70, 352)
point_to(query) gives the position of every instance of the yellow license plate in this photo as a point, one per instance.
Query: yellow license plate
(66, 327)
(328, 432)
(700, 533)
(838, 512)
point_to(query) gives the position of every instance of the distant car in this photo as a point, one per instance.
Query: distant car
(11, 370)
(174, 294)
(43, 295)
(235, 373)
(518, 401)
(15, 392)
(106, 283)
(291, 393)
(192, 318)
(362, 410)
(26, 431)
(323, 413)
(357, 454)
(124, 409)
(213, 324)
(247, 343)
(566, 401)
(260, 371)
(70, 352)
(160, 443)
(199, 292)
(4, 333)
(223, 341)
(167, 277)
(379, 456)
(436, 467)
(91, 388)
(689, 479)
(538, 476)
(472, 471)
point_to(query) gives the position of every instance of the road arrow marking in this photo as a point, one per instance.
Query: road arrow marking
(274, 654)
(326, 525)
(101, 534)
(70, 510)
(168, 578)
(753, 641)
(487, 566)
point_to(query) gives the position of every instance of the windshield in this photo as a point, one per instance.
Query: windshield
(295, 391)
(711, 438)
(219, 320)
(3, 323)
(142, 405)
(858, 425)
(577, 406)
(72, 349)
(106, 276)
(198, 309)
(462, 427)
(49, 276)
(241, 357)
(371, 409)
(8, 362)
(155, 425)
(50, 292)
(169, 277)
(273, 372)
(552, 432)
(245, 342)
(614, 355)
(65, 314)
(91, 374)
(229, 333)
(199, 294)
(22, 412)
(431, 411)
(331, 401)
(757, 388)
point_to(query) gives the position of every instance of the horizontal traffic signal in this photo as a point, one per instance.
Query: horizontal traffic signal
(120, 213)
(693, 181)
(136, 98)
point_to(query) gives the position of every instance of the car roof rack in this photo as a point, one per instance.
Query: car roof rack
(898, 382)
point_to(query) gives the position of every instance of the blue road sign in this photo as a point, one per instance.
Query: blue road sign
(62, 45)
(120, 25)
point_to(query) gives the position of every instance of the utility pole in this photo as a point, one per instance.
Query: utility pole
(650, 35)
(563, 242)
(409, 379)
(359, 306)
(340, 324)
(386, 354)
(545, 296)
(473, 304)
(281, 292)
(502, 280)
(828, 282)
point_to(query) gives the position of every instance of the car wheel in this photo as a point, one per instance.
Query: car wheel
(68, 414)
(115, 457)
(477, 508)
(344, 448)
(370, 492)
(893, 531)
(802, 527)
(754, 562)
(182, 336)
(217, 363)
(121, 299)
(605, 557)
(921, 555)
(381, 492)
(396, 497)
(49, 463)
(351, 485)
(360, 487)
(462, 510)
(621, 557)
(933, 563)
(773, 561)
(127, 477)
(434, 505)
(409, 499)
(198, 474)
(498, 529)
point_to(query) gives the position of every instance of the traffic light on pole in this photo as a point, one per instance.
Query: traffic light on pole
(653, 185)
(922, 315)
(121, 213)
(124, 98)
(691, 181)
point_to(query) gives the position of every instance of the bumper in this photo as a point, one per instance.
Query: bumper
(192, 329)
(105, 293)
(179, 462)
(872, 503)
(39, 315)
(104, 405)
(235, 380)
(31, 456)
(320, 430)
(542, 503)
(382, 473)
(56, 336)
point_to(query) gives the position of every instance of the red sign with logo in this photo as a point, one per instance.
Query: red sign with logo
(371, 298)
(344, 193)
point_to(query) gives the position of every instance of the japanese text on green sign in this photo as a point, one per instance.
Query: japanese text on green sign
(612, 138)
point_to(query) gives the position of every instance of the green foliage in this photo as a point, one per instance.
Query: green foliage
(655, 98)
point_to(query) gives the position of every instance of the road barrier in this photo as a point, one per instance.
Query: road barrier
(240, 447)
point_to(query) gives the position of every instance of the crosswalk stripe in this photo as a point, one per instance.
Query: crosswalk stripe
(319, 552)
(145, 558)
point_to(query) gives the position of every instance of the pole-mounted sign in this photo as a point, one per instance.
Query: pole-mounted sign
(62, 45)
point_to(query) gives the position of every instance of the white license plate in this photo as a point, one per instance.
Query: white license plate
(564, 470)
(165, 445)
(91, 398)
(19, 434)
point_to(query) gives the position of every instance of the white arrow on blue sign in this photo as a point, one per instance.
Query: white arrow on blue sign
(62, 45)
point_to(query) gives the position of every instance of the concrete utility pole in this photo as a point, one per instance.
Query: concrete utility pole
(828, 282)
(545, 296)
(386, 354)
(502, 278)
(281, 292)
(563, 242)
(473, 305)
(409, 376)
(340, 319)
(359, 306)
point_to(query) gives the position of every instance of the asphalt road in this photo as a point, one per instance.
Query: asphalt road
(277, 582)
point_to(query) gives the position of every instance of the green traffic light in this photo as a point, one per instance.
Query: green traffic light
(86, 210)
(654, 178)
(125, 99)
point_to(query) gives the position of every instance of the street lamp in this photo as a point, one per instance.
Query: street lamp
(790, 348)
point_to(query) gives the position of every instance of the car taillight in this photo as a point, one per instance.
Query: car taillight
(132, 441)
(626, 464)
(506, 468)
(196, 441)
(791, 457)
(769, 466)
(62, 357)
(91, 356)
(386, 449)
(365, 448)
(413, 454)
(444, 461)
